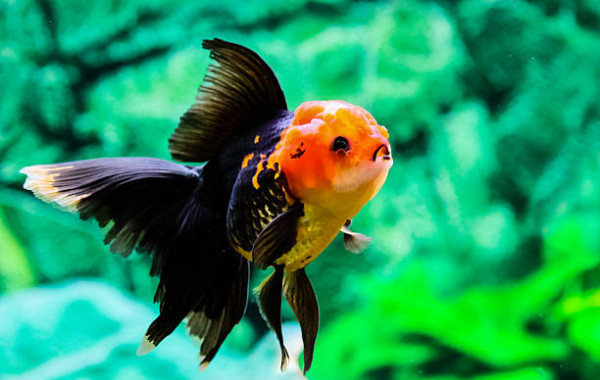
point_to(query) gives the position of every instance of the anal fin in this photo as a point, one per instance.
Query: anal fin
(269, 301)
(303, 301)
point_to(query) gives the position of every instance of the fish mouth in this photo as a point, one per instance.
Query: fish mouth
(382, 151)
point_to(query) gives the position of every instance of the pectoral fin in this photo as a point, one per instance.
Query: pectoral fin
(354, 242)
(269, 301)
(278, 237)
(301, 297)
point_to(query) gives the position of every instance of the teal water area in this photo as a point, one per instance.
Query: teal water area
(485, 259)
(89, 330)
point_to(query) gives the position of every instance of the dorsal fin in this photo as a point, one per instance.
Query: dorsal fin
(239, 89)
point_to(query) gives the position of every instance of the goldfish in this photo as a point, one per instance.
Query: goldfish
(258, 185)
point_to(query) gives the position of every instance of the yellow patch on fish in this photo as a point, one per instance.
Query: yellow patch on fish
(259, 168)
(316, 230)
(257, 139)
(247, 159)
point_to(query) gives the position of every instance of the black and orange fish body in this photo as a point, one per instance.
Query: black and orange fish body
(276, 189)
(257, 194)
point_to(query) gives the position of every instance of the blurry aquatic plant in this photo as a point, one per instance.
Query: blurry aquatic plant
(493, 107)
(15, 269)
(542, 326)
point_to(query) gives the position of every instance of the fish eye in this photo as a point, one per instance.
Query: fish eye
(340, 143)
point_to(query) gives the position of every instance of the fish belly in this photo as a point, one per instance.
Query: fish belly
(316, 230)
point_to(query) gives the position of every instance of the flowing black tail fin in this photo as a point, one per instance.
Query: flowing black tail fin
(212, 332)
(172, 212)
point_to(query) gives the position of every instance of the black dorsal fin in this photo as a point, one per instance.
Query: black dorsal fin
(239, 89)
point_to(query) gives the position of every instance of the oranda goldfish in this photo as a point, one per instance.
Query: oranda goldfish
(276, 188)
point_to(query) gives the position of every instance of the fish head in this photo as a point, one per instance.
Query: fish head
(334, 155)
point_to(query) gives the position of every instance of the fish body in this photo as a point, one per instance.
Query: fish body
(276, 188)
(331, 189)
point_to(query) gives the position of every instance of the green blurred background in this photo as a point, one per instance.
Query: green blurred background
(485, 261)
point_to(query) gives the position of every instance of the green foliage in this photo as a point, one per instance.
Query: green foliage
(87, 329)
(485, 255)
(408, 328)
(15, 271)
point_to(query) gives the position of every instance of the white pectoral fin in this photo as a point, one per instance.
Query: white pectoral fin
(354, 242)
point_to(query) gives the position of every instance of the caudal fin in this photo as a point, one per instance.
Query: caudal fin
(213, 331)
(141, 200)
(170, 211)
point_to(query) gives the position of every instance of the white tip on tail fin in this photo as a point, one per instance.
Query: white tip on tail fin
(145, 346)
(284, 363)
(41, 180)
(203, 365)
